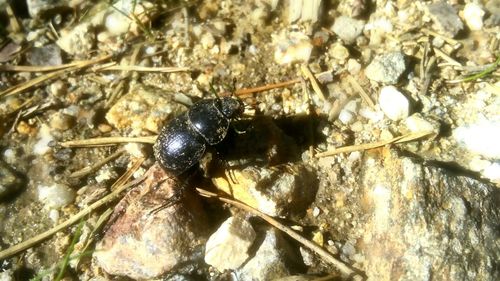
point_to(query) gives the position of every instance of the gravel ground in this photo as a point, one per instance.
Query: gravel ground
(371, 128)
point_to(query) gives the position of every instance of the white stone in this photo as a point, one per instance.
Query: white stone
(117, 24)
(393, 103)
(492, 172)
(56, 195)
(482, 138)
(473, 15)
(416, 123)
(44, 138)
(228, 247)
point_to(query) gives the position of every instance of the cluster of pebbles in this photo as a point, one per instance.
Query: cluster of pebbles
(427, 208)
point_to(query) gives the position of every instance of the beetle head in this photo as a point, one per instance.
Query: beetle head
(231, 107)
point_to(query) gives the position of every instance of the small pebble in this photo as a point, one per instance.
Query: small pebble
(61, 121)
(348, 29)
(207, 40)
(46, 55)
(353, 66)
(10, 181)
(295, 47)
(44, 138)
(473, 15)
(386, 68)
(56, 195)
(316, 211)
(228, 247)
(393, 103)
(347, 114)
(338, 52)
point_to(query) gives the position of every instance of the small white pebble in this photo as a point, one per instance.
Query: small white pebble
(117, 24)
(54, 215)
(316, 211)
(393, 103)
(473, 15)
(207, 40)
(56, 195)
(44, 138)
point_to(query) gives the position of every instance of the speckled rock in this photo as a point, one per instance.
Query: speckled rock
(423, 222)
(143, 108)
(274, 191)
(228, 247)
(386, 68)
(144, 242)
(445, 18)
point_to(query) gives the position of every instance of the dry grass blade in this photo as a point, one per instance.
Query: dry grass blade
(107, 141)
(88, 170)
(314, 83)
(33, 82)
(242, 92)
(447, 58)
(327, 256)
(366, 146)
(74, 219)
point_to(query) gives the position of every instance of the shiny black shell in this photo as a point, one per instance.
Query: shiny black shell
(182, 142)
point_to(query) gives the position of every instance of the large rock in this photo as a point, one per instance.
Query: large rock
(426, 222)
(150, 234)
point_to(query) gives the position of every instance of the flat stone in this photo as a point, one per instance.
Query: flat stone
(143, 109)
(386, 68)
(145, 237)
(294, 47)
(348, 29)
(274, 191)
(445, 18)
(393, 103)
(227, 248)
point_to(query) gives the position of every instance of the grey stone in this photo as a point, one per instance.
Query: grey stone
(445, 18)
(348, 29)
(46, 55)
(386, 68)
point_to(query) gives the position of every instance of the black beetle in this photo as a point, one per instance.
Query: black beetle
(182, 141)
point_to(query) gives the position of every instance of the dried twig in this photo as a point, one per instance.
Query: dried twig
(242, 92)
(74, 219)
(343, 268)
(366, 146)
(107, 141)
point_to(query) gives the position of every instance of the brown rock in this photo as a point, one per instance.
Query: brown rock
(147, 238)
